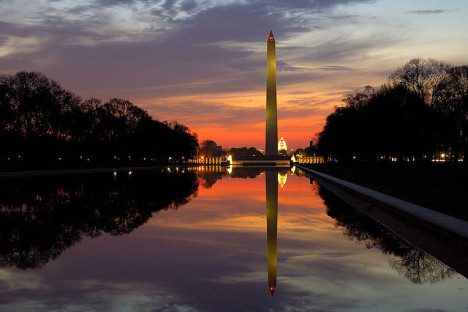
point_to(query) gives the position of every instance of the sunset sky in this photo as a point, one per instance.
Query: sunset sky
(202, 62)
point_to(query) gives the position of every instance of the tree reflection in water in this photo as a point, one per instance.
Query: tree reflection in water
(210, 175)
(209, 178)
(409, 261)
(41, 217)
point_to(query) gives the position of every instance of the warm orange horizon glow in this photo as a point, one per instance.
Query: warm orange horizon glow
(297, 128)
(244, 201)
(235, 119)
(210, 75)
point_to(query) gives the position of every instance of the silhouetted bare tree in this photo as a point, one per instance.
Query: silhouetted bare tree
(422, 76)
(452, 102)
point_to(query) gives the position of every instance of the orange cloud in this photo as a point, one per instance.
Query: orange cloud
(237, 119)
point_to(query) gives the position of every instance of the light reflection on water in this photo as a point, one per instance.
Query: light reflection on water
(206, 241)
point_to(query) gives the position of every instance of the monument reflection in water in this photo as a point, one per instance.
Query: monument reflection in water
(271, 185)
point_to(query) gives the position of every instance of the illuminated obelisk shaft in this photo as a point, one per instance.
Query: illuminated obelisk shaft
(271, 142)
(272, 225)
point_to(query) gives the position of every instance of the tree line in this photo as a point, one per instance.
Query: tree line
(209, 148)
(43, 124)
(419, 114)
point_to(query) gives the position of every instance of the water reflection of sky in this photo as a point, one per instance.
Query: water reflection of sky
(210, 255)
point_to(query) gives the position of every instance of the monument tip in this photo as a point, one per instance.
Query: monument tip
(272, 289)
(271, 37)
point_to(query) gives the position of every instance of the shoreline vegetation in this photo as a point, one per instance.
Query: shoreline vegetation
(419, 115)
(43, 126)
(407, 138)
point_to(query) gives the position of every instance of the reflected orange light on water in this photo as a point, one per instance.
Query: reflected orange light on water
(239, 205)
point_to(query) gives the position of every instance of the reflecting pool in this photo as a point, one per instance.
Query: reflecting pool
(206, 239)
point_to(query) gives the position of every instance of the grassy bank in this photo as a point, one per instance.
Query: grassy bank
(442, 187)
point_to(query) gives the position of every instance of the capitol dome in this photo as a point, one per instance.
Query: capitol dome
(282, 145)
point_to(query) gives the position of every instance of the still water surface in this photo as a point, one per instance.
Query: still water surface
(206, 241)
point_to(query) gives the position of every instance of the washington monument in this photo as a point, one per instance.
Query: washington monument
(271, 142)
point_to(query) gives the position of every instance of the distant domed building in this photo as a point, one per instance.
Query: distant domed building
(282, 145)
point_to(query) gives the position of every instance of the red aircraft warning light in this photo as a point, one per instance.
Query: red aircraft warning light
(271, 37)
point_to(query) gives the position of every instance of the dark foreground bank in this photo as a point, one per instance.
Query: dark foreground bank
(442, 187)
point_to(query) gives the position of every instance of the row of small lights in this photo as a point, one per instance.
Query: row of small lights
(443, 157)
(89, 159)
(129, 173)
(169, 169)
(229, 158)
